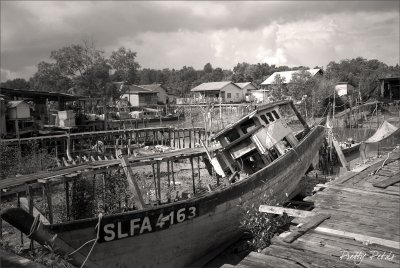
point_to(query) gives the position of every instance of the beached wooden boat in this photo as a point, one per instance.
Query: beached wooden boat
(349, 149)
(260, 158)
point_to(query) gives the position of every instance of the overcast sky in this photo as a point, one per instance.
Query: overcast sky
(174, 34)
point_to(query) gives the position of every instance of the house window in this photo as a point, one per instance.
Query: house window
(237, 95)
(228, 95)
(270, 117)
(264, 119)
(275, 114)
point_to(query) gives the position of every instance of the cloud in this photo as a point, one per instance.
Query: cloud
(174, 34)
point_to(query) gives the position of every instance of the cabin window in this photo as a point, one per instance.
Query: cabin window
(252, 163)
(232, 135)
(274, 154)
(237, 95)
(248, 126)
(276, 115)
(270, 117)
(228, 95)
(264, 118)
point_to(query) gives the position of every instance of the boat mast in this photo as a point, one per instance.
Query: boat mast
(301, 119)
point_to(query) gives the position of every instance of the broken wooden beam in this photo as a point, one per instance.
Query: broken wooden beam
(340, 154)
(313, 222)
(289, 211)
(395, 178)
(137, 195)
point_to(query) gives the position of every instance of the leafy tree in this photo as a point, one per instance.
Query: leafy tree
(49, 78)
(278, 88)
(123, 61)
(208, 68)
(17, 83)
(81, 66)
(360, 73)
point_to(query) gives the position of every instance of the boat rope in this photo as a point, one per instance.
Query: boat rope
(87, 242)
(383, 164)
(35, 226)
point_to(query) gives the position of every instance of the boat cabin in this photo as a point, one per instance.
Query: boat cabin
(253, 142)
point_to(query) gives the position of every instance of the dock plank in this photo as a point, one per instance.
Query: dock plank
(364, 220)
(395, 178)
(313, 222)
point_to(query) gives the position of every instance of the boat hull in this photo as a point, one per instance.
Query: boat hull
(217, 221)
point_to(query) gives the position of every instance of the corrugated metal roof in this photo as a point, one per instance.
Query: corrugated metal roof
(13, 104)
(210, 86)
(287, 75)
(242, 85)
(138, 89)
(152, 87)
(29, 93)
(245, 84)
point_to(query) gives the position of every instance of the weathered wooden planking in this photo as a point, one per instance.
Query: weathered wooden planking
(361, 172)
(288, 211)
(255, 259)
(332, 249)
(344, 243)
(306, 258)
(359, 190)
(348, 219)
(390, 181)
(360, 237)
(313, 222)
(384, 232)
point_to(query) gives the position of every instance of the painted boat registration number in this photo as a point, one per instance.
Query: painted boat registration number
(133, 225)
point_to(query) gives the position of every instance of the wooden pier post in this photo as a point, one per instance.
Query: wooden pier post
(168, 175)
(198, 167)
(179, 139)
(173, 132)
(190, 138)
(47, 189)
(169, 137)
(29, 195)
(66, 185)
(19, 205)
(172, 174)
(158, 181)
(155, 180)
(193, 180)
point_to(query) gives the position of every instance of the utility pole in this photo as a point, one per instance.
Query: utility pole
(334, 106)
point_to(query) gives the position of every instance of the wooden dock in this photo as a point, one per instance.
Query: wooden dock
(15, 184)
(355, 223)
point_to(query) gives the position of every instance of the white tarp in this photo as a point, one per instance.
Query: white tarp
(383, 132)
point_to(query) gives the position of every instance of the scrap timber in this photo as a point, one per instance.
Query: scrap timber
(355, 223)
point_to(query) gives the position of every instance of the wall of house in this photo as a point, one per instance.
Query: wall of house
(260, 95)
(247, 92)
(232, 93)
(133, 99)
(22, 111)
(344, 89)
(147, 99)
